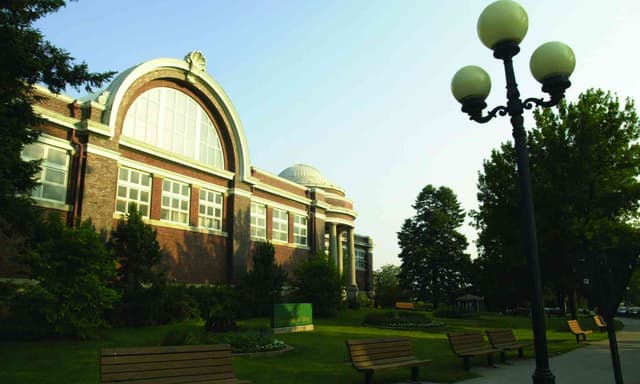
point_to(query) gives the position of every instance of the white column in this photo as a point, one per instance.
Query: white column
(333, 247)
(340, 255)
(352, 256)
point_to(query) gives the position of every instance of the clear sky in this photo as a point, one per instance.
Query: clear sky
(359, 89)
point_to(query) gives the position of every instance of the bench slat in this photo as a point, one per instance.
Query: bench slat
(114, 368)
(369, 355)
(168, 365)
(138, 358)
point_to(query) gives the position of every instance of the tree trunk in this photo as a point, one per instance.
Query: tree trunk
(573, 307)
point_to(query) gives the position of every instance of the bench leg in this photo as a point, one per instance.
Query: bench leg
(577, 339)
(368, 377)
(490, 359)
(503, 356)
(520, 353)
(466, 363)
(584, 337)
(414, 373)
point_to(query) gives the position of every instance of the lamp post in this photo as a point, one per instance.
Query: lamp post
(501, 27)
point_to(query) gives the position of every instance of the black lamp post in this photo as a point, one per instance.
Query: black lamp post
(501, 27)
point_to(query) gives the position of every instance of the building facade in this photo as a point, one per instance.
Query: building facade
(165, 137)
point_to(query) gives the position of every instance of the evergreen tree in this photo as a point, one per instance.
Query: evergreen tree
(434, 262)
(28, 59)
(262, 286)
(140, 277)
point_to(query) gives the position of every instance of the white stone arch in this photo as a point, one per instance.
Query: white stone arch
(194, 70)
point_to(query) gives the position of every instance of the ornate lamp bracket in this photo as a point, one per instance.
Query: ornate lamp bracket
(474, 107)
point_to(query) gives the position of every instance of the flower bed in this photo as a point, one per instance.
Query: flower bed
(401, 320)
(241, 342)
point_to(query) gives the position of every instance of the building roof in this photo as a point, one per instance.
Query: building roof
(306, 175)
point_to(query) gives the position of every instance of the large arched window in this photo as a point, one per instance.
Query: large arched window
(171, 120)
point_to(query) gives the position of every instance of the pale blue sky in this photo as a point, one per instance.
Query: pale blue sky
(357, 89)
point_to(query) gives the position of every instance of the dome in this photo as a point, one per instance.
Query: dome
(305, 175)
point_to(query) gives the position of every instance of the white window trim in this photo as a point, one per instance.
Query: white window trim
(140, 188)
(280, 222)
(47, 142)
(297, 227)
(213, 205)
(252, 226)
(180, 197)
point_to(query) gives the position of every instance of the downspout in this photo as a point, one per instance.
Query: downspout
(80, 162)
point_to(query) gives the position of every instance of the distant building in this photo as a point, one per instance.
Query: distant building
(165, 136)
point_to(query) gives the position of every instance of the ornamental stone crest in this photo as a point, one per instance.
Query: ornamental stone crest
(197, 62)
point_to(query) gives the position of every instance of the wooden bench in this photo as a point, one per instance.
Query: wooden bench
(600, 323)
(577, 330)
(404, 305)
(370, 355)
(204, 364)
(504, 340)
(469, 344)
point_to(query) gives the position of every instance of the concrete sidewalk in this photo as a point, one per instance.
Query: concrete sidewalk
(588, 365)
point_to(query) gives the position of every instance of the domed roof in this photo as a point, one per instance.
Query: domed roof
(305, 175)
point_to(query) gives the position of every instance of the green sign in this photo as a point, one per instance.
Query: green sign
(292, 315)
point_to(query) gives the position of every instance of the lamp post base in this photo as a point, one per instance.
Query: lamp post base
(543, 376)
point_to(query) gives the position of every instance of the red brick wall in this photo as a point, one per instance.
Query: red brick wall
(192, 256)
(100, 183)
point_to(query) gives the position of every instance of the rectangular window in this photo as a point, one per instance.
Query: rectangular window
(280, 225)
(300, 229)
(53, 174)
(258, 221)
(175, 202)
(361, 260)
(210, 210)
(134, 187)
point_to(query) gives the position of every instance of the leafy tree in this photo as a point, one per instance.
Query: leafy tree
(140, 278)
(73, 271)
(434, 262)
(28, 59)
(585, 160)
(262, 286)
(387, 286)
(318, 282)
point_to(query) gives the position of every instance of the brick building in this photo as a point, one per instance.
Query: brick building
(165, 136)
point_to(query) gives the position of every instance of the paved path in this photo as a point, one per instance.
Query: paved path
(588, 365)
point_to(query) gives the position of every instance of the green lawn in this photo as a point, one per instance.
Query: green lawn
(319, 356)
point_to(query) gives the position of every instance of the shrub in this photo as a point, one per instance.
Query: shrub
(181, 336)
(73, 269)
(178, 304)
(218, 307)
(317, 281)
(385, 282)
(262, 286)
(400, 319)
(453, 312)
(246, 342)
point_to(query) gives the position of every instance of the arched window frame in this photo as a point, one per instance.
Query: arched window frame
(176, 128)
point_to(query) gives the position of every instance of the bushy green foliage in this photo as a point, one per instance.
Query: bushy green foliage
(386, 286)
(141, 281)
(178, 304)
(247, 341)
(218, 307)
(73, 271)
(29, 59)
(262, 286)
(453, 312)
(585, 168)
(318, 282)
(401, 319)
(435, 265)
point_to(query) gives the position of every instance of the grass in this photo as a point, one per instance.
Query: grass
(319, 356)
